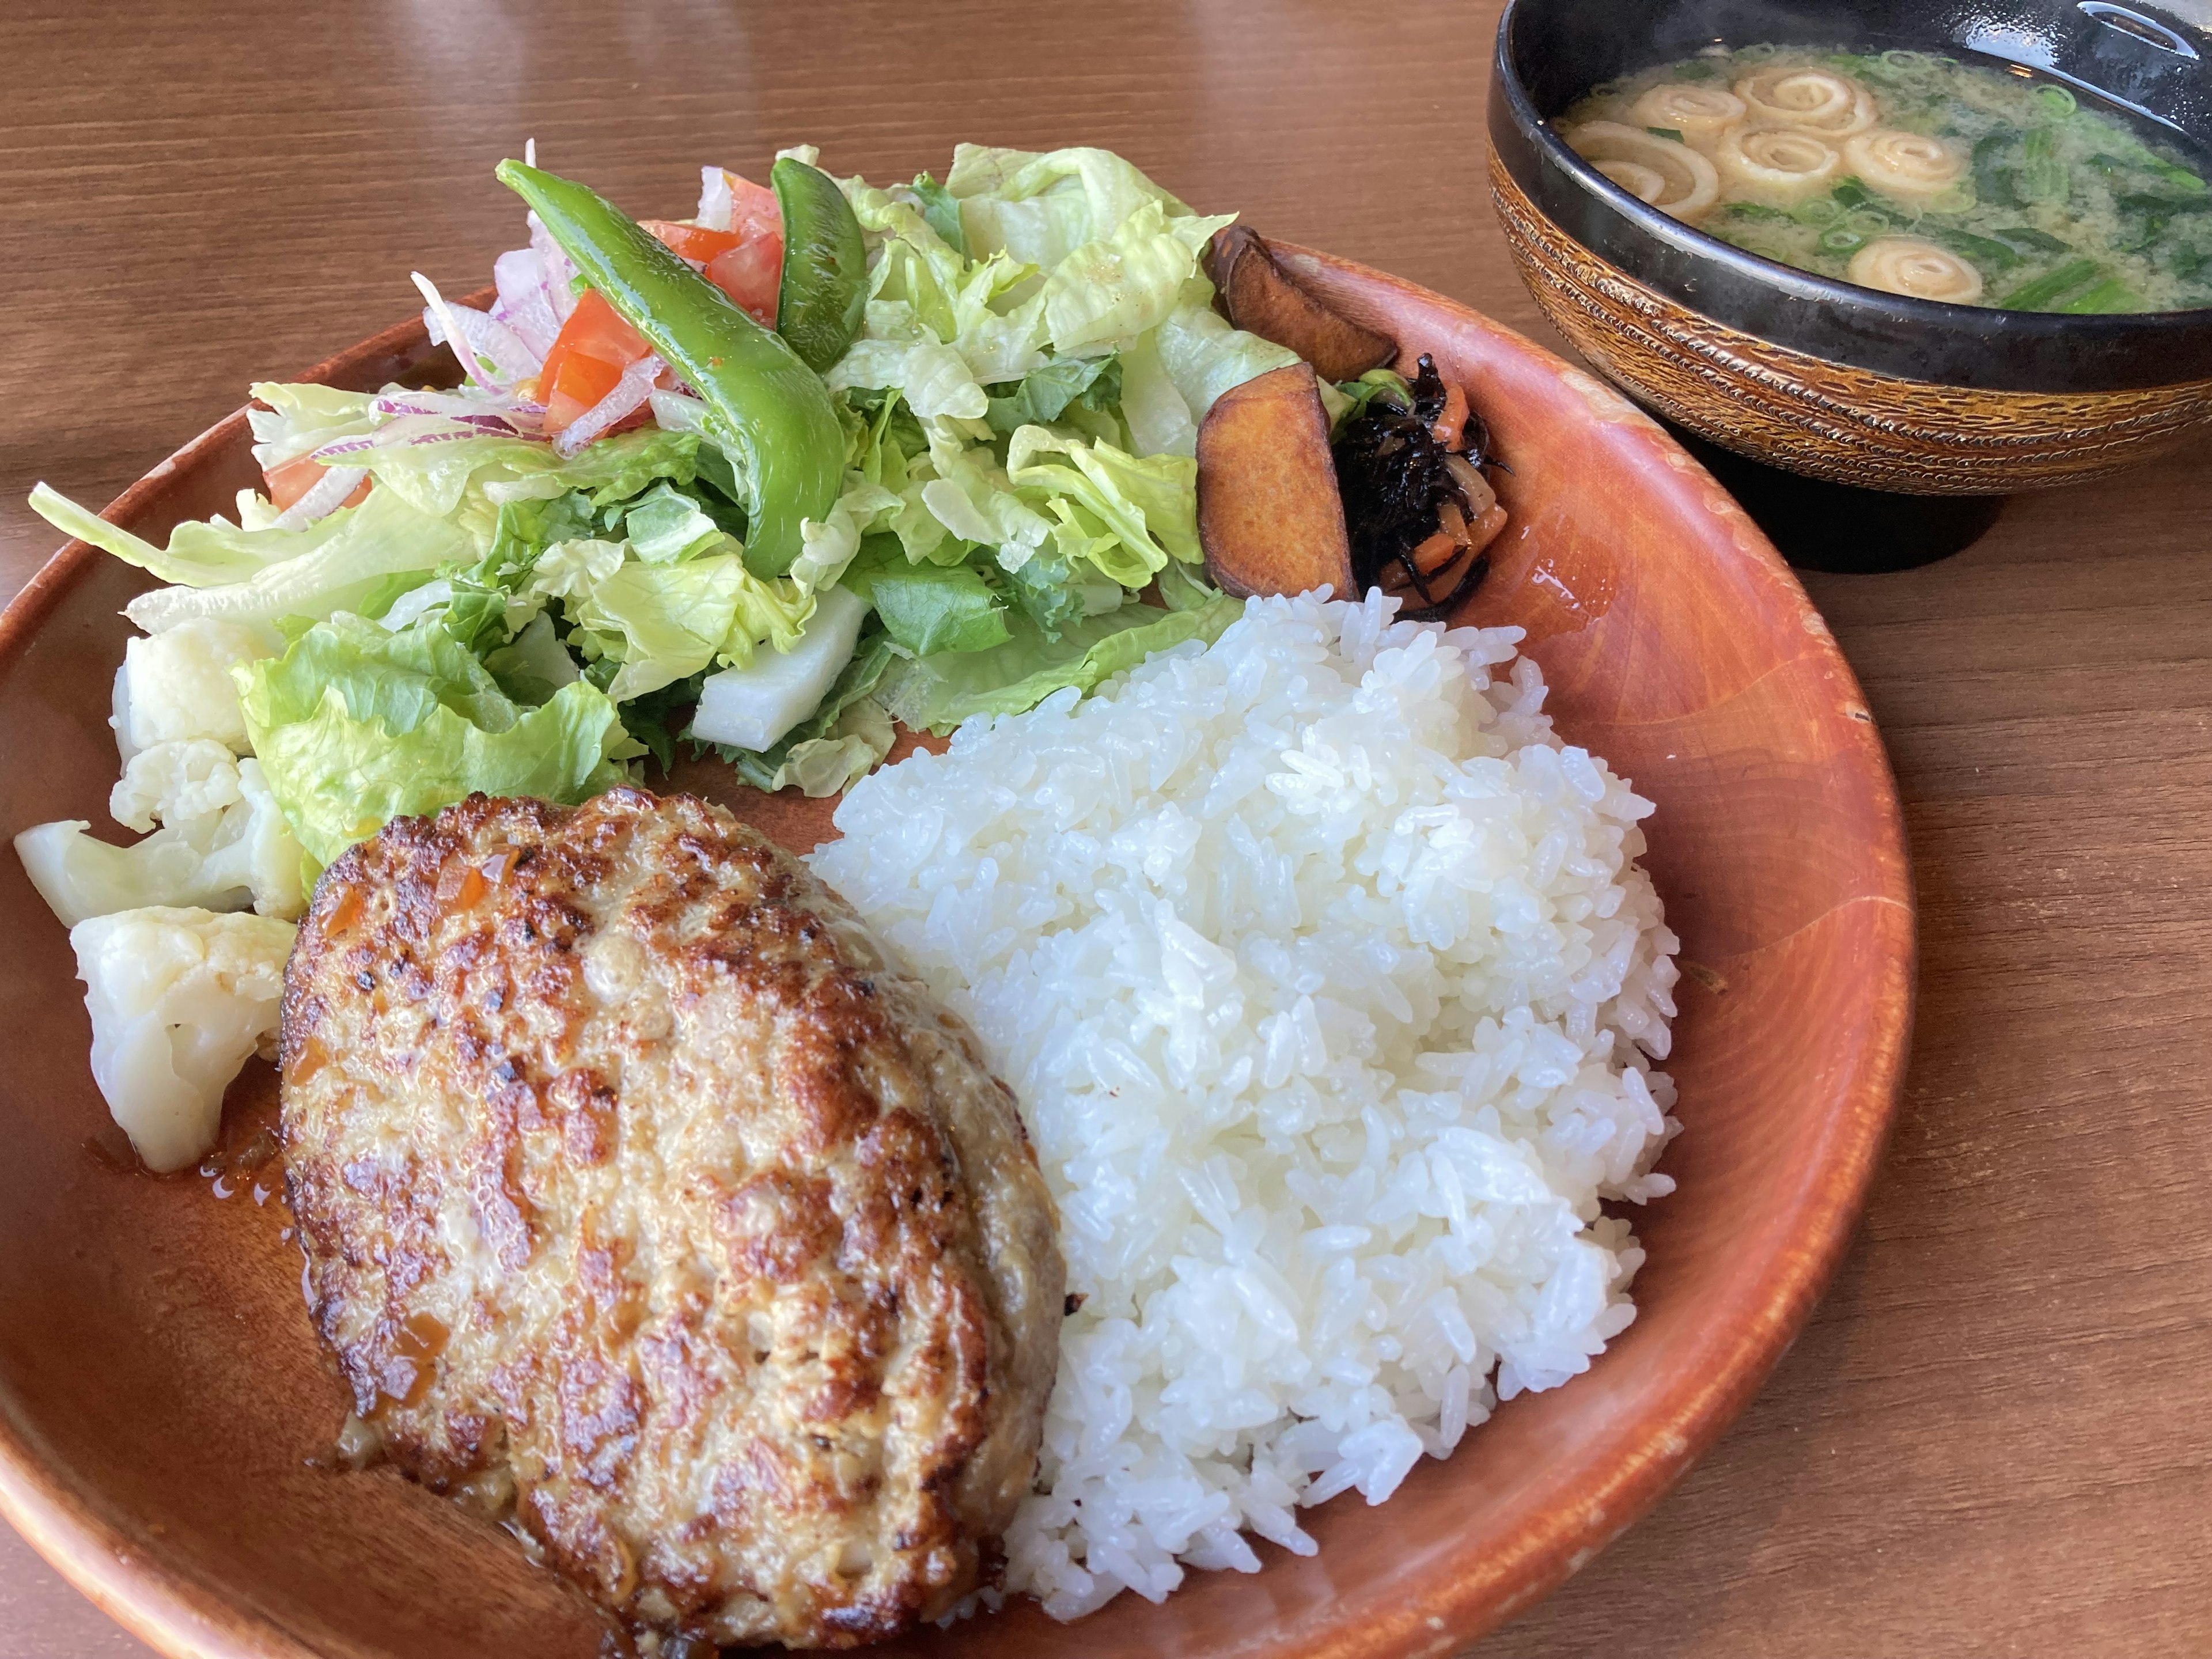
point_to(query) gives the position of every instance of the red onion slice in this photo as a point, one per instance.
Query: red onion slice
(494, 358)
(627, 397)
(559, 272)
(523, 305)
(324, 497)
(499, 414)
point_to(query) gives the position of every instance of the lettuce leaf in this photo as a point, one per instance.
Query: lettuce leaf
(931, 608)
(1040, 208)
(200, 554)
(1043, 394)
(940, 692)
(336, 565)
(354, 727)
(828, 545)
(940, 211)
(435, 477)
(663, 525)
(1108, 291)
(1125, 514)
(299, 418)
(1172, 377)
(973, 497)
(667, 622)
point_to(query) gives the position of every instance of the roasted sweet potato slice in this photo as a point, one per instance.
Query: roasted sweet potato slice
(1259, 295)
(1269, 516)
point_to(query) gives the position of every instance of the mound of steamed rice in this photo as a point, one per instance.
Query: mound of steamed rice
(1330, 987)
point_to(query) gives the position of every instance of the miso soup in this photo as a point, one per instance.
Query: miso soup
(1918, 174)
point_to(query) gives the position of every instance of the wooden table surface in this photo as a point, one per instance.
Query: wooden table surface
(1993, 1439)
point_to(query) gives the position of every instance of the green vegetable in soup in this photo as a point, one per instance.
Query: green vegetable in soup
(2039, 293)
(2109, 295)
(2042, 176)
(2038, 198)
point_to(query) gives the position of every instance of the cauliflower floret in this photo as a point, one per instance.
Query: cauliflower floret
(224, 844)
(176, 684)
(186, 785)
(179, 999)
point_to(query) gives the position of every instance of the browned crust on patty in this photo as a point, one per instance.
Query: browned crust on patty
(628, 1174)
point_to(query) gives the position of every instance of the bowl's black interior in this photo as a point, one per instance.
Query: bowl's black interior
(2159, 66)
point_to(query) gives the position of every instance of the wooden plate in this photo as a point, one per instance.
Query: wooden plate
(165, 1414)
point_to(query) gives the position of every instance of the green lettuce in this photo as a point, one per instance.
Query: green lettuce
(354, 727)
(1043, 394)
(663, 525)
(940, 692)
(940, 210)
(1108, 291)
(930, 608)
(335, 565)
(667, 622)
(300, 418)
(1172, 376)
(1040, 208)
(1125, 514)
(827, 546)
(200, 554)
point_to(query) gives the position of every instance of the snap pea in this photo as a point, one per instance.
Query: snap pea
(2040, 292)
(770, 410)
(824, 297)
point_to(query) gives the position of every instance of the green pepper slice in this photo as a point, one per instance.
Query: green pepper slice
(769, 409)
(824, 297)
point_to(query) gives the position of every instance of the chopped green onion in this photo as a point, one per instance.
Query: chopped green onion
(1665, 132)
(2109, 295)
(1982, 250)
(1841, 239)
(2181, 178)
(2042, 174)
(2056, 102)
(2039, 293)
(2031, 241)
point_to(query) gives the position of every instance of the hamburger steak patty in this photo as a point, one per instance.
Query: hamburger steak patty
(642, 1198)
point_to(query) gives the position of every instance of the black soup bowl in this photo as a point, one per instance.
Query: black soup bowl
(1865, 430)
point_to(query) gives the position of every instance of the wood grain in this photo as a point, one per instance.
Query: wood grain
(1990, 1440)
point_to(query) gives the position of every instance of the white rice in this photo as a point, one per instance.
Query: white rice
(1329, 986)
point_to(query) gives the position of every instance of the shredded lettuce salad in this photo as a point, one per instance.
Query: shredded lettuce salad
(456, 598)
(511, 587)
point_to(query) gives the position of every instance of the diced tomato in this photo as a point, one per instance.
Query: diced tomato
(594, 346)
(292, 479)
(693, 242)
(751, 273)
